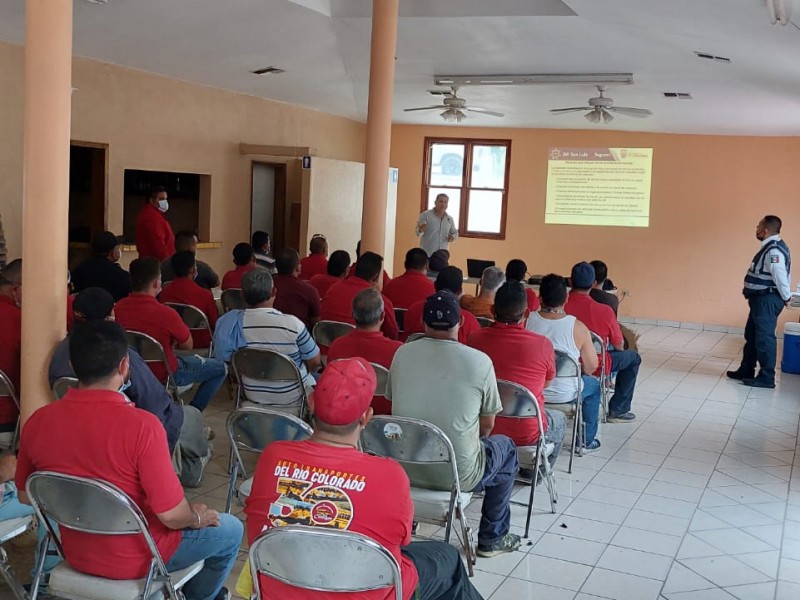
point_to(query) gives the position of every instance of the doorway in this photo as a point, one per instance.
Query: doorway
(87, 191)
(268, 206)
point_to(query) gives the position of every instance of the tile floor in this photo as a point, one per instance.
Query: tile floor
(695, 500)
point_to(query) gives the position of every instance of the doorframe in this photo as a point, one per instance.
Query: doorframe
(280, 218)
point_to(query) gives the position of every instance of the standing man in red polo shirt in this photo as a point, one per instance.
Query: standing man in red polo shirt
(450, 279)
(244, 258)
(367, 341)
(338, 264)
(525, 358)
(154, 237)
(143, 313)
(184, 290)
(295, 297)
(96, 432)
(372, 496)
(316, 263)
(10, 341)
(412, 286)
(338, 304)
(601, 320)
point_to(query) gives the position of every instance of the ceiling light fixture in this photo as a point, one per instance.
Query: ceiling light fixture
(779, 10)
(536, 78)
(453, 115)
(270, 70)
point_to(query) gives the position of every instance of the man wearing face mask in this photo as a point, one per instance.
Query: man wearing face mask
(154, 236)
(10, 341)
(767, 290)
(102, 269)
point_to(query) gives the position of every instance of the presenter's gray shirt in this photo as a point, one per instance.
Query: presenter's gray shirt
(435, 235)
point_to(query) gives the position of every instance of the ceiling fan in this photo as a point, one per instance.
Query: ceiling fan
(600, 109)
(454, 109)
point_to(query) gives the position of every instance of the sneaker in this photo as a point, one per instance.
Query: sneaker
(759, 383)
(526, 475)
(224, 594)
(738, 374)
(508, 543)
(209, 433)
(623, 418)
(593, 447)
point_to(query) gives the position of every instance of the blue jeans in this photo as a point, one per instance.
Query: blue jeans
(11, 508)
(625, 363)
(556, 428)
(497, 485)
(218, 546)
(210, 373)
(760, 345)
(590, 396)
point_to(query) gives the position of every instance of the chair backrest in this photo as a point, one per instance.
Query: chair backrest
(323, 559)
(326, 331)
(7, 388)
(259, 365)
(413, 337)
(148, 348)
(600, 347)
(517, 400)
(484, 321)
(400, 317)
(382, 377)
(62, 385)
(232, 299)
(566, 366)
(413, 443)
(193, 317)
(251, 429)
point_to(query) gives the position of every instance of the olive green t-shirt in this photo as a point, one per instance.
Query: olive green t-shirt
(450, 385)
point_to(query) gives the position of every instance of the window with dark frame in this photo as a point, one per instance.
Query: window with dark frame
(474, 175)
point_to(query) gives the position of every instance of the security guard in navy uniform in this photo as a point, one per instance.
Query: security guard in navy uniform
(767, 289)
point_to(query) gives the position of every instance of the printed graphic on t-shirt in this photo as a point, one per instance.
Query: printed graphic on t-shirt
(313, 496)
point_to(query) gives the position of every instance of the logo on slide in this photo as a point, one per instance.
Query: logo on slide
(555, 154)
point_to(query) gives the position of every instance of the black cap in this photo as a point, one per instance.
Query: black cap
(442, 311)
(93, 304)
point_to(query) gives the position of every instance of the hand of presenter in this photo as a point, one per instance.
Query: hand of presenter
(421, 227)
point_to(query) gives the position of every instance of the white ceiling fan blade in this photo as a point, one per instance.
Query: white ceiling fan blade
(484, 111)
(437, 107)
(631, 112)
(561, 111)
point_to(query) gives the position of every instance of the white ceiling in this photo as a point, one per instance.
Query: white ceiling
(326, 57)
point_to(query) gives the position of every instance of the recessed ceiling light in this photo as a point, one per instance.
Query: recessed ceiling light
(677, 95)
(271, 70)
(707, 56)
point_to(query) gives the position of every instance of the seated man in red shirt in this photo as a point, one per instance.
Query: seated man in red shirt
(451, 279)
(338, 265)
(295, 296)
(523, 357)
(601, 320)
(373, 497)
(184, 290)
(412, 286)
(338, 304)
(94, 432)
(351, 272)
(367, 341)
(10, 343)
(517, 270)
(143, 313)
(316, 263)
(244, 257)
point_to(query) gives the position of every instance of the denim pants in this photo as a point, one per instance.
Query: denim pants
(208, 372)
(497, 485)
(760, 345)
(590, 397)
(218, 546)
(556, 428)
(625, 363)
(11, 508)
(441, 572)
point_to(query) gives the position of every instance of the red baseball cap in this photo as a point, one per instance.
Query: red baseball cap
(345, 391)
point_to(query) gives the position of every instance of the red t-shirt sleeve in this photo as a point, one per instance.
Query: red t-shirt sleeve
(257, 504)
(178, 330)
(24, 465)
(156, 475)
(615, 333)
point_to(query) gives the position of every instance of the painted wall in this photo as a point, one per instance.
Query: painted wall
(708, 193)
(153, 122)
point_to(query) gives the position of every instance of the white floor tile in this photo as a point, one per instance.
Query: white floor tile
(527, 590)
(661, 523)
(585, 529)
(647, 541)
(635, 562)
(569, 549)
(753, 591)
(724, 571)
(550, 571)
(682, 579)
(615, 585)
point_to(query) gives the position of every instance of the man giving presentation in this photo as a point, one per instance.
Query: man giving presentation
(435, 228)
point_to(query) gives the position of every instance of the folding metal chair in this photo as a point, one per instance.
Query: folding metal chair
(152, 352)
(520, 403)
(251, 429)
(96, 507)
(414, 337)
(7, 389)
(62, 385)
(382, 377)
(400, 317)
(325, 332)
(566, 366)
(425, 452)
(197, 322)
(232, 299)
(325, 560)
(605, 380)
(9, 529)
(484, 321)
(259, 370)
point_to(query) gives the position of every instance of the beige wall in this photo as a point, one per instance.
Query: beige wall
(708, 193)
(153, 122)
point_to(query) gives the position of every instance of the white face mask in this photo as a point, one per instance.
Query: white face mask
(163, 205)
